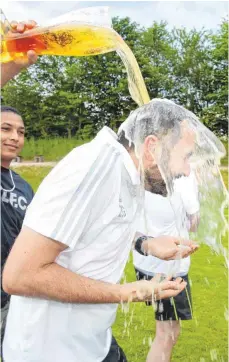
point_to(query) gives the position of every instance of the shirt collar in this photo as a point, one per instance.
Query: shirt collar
(109, 136)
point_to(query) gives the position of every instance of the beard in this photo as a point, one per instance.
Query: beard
(154, 182)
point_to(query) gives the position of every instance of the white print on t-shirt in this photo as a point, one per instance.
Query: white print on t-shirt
(15, 200)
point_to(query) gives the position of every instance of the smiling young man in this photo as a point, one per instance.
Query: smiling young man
(16, 193)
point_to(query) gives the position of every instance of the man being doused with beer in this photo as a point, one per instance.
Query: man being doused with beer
(65, 267)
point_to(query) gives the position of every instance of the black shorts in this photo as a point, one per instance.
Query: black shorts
(116, 353)
(177, 308)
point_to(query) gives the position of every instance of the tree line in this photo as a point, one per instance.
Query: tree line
(76, 96)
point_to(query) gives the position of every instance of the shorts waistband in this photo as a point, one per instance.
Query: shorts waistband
(151, 274)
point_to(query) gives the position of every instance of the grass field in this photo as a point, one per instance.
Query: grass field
(203, 339)
(53, 149)
(224, 161)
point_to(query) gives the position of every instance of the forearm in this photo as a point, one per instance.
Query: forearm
(58, 283)
(8, 72)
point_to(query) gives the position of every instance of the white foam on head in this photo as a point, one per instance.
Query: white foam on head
(163, 119)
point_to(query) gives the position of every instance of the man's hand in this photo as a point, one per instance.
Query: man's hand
(11, 69)
(145, 290)
(169, 248)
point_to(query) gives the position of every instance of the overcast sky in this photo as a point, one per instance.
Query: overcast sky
(187, 14)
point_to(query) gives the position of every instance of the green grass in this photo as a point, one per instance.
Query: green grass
(53, 149)
(33, 175)
(224, 161)
(225, 177)
(205, 333)
(202, 338)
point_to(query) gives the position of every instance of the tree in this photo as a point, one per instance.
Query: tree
(76, 96)
(192, 69)
(159, 55)
(215, 116)
(25, 95)
(102, 82)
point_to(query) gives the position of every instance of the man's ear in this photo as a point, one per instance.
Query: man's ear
(150, 145)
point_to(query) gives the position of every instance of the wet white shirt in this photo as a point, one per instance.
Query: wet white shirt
(164, 216)
(89, 202)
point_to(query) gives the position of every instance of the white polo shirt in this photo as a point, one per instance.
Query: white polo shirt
(90, 202)
(164, 216)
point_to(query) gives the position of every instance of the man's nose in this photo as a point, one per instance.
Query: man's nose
(14, 135)
(187, 170)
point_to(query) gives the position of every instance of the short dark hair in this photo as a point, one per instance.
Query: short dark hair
(129, 146)
(9, 109)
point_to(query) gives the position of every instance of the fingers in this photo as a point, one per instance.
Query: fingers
(157, 278)
(183, 242)
(178, 280)
(177, 241)
(195, 248)
(32, 57)
(185, 252)
(181, 252)
(146, 290)
(13, 24)
(169, 277)
(170, 289)
(26, 62)
(18, 27)
(171, 255)
(186, 248)
(31, 24)
(173, 251)
(23, 26)
(176, 284)
(189, 243)
(167, 294)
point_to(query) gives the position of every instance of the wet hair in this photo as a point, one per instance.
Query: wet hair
(10, 110)
(159, 118)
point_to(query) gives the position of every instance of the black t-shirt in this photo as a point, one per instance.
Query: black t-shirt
(13, 208)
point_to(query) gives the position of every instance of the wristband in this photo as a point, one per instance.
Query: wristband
(138, 244)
